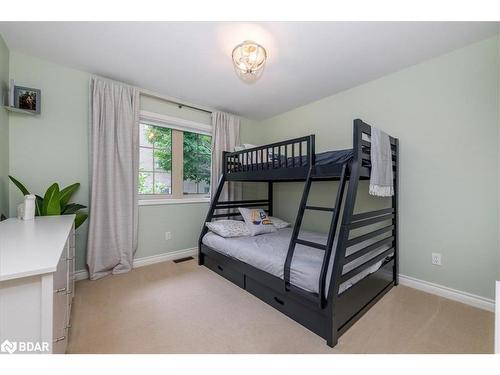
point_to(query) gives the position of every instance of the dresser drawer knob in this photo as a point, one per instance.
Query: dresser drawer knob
(60, 290)
(60, 339)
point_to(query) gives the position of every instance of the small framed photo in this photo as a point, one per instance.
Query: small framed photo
(27, 98)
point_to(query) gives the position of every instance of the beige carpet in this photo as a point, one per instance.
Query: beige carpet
(184, 308)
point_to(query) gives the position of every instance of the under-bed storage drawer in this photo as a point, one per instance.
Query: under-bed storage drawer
(309, 318)
(223, 269)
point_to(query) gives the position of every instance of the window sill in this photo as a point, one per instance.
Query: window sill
(159, 202)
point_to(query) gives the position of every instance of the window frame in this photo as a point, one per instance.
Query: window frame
(178, 127)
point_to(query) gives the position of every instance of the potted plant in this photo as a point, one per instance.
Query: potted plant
(56, 202)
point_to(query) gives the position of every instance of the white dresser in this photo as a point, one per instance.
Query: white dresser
(36, 284)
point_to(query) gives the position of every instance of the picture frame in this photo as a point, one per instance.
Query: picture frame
(27, 98)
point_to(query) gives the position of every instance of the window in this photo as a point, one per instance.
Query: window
(155, 160)
(197, 157)
(173, 163)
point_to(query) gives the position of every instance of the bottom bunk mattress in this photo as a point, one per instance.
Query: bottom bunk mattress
(267, 252)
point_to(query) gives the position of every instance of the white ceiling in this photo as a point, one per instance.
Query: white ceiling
(191, 60)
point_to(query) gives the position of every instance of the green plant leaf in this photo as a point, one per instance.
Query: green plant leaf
(80, 218)
(20, 186)
(66, 193)
(72, 208)
(38, 205)
(51, 201)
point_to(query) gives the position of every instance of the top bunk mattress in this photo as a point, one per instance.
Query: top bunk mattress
(267, 252)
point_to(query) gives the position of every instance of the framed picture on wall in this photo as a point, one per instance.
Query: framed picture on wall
(27, 98)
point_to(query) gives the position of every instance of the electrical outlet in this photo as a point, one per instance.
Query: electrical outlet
(436, 259)
(168, 236)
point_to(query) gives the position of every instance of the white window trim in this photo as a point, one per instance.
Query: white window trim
(176, 123)
(171, 122)
(162, 201)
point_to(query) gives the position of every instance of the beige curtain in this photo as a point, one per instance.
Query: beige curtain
(114, 163)
(225, 136)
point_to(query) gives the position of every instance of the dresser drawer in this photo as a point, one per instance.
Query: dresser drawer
(59, 331)
(60, 305)
(61, 275)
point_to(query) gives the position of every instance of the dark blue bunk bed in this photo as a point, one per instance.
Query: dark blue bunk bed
(328, 311)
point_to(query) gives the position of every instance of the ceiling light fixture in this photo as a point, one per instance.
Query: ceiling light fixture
(249, 59)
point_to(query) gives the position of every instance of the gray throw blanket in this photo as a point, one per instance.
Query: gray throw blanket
(381, 179)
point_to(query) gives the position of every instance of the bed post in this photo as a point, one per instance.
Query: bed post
(213, 205)
(332, 334)
(395, 199)
(270, 197)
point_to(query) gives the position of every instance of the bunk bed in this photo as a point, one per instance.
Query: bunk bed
(324, 282)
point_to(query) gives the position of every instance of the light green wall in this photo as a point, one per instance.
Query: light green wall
(51, 147)
(54, 147)
(4, 129)
(446, 114)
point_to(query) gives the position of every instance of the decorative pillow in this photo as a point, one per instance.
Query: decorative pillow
(257, 221)
(278, 223)
(229, 228)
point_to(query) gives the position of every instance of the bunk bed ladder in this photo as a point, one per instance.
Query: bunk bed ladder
(294, 240)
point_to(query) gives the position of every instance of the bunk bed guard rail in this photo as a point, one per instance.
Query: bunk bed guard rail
(292, 153)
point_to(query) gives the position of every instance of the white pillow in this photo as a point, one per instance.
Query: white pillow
(257, 221)
(248, 145)
(229, 228)
(278, 223)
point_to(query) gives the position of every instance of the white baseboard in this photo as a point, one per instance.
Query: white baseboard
(146, 261)
(444, 291)
(165, 257)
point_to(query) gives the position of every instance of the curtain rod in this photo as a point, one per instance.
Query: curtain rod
(162, 97)
(167, 99)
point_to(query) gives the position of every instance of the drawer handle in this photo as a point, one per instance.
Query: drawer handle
(68, 259)
(68, 326)
(60, 290)
(69, 292)
(281, 302)
(60, 339)
(220, 268)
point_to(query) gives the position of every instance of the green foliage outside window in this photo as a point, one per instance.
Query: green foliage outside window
(196, 154)
(197, 157)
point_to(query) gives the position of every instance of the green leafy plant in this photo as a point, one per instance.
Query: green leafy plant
(56, 202)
